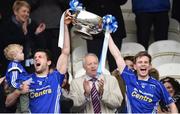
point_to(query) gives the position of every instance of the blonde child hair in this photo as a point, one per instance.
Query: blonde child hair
(20, 3)
(11, 50)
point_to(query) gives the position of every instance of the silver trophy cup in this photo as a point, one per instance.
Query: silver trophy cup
(87, 23)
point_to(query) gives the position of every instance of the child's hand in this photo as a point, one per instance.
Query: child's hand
(24, 88)
(2, 79)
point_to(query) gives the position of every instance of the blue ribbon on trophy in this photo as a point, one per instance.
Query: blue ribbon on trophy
(74, 6)
(109, 25)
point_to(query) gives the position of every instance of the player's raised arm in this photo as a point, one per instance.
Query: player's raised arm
(117, 55)
(62, 62)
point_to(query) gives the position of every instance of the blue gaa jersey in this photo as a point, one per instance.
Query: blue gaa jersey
(45, 93)
(143, 96)
(16, 74)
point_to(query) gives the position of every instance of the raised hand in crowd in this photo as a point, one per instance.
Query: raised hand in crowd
(41, 27)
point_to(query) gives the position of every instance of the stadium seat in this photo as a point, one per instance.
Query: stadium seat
(131, 48)
(77, 55)
(127, 7)
(174, 36)
(174, 26)
(165, 51)
(170, 70)
(130, 37)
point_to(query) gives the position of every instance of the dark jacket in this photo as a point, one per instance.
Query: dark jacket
(12, 32)
(176, 10)
(150, 5)
(2, 99)
(48, 11)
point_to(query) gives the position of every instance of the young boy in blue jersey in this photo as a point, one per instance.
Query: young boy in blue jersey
(16, 74)
(143, 92)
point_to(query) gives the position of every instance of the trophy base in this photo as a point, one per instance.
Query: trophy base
(84, 35)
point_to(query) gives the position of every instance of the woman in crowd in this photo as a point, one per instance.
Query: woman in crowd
(173, 87)
(66, 85)
(66, 103)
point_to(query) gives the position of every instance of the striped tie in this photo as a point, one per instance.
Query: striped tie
(95, 98)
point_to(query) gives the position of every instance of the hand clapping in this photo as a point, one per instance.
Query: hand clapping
(101, 85)
(87, 88)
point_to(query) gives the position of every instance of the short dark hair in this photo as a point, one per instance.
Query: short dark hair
(131, 58)
(141, 54)
(67, 75)
(154, 73)
(46, 51)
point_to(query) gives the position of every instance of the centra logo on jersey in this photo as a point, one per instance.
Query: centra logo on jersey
(141, 97)
(40, 93)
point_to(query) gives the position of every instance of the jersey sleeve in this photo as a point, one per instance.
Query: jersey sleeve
(127, 75)
(59, 76)
(166, 98)
(13, 75)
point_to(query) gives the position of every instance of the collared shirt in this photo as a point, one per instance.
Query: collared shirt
(89, 78)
